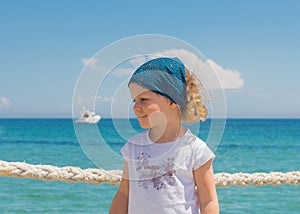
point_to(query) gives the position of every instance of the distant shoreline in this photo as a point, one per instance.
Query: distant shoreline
(107, 118)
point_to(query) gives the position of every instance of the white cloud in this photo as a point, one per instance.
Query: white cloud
(123, 72)
(137, 61)
(4, 101)
(188, 58)
(89, 61)
(93, 63)
(229, 79)
(132, 64)
(210, 73)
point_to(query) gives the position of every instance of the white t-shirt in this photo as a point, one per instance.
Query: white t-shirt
(161, 174)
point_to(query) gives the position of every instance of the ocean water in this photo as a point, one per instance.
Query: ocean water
(248, 145)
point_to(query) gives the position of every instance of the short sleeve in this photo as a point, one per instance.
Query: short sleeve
(201, 154)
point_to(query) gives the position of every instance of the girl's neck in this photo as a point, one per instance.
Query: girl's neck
(169, 134)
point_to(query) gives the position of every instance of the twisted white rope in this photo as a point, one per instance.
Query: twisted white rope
(113, 177)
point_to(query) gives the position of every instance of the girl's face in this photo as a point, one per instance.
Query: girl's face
(151, 109)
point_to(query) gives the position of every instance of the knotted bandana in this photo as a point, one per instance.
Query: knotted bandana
(165, 76)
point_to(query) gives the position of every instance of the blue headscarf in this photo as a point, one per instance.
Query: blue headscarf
(165, 76)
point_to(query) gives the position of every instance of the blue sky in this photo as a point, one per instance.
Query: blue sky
(44, 43)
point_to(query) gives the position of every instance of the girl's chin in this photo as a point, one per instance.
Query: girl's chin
(145, 126)
(144, 123)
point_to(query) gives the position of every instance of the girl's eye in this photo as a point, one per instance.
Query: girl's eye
(141, 100)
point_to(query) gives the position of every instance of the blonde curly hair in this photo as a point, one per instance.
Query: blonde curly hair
(194, 109)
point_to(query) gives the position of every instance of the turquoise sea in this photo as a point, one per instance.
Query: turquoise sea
(248, 145)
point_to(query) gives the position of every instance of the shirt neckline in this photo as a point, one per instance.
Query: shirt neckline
(150, 142)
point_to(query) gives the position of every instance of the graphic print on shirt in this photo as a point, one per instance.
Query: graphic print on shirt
(155, 176)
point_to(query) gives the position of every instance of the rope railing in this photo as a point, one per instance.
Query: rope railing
(99, 176)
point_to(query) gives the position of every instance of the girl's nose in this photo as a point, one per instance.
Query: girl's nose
(136, 108)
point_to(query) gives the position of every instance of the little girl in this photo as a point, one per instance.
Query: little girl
(167, 169)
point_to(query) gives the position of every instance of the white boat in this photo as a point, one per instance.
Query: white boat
(88, 117)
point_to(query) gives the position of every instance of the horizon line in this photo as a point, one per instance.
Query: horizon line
(70, 118)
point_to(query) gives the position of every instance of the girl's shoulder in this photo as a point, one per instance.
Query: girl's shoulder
(193, 140)
(200, 153)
